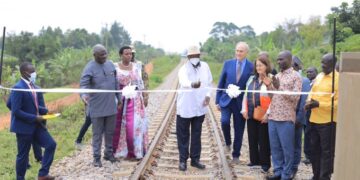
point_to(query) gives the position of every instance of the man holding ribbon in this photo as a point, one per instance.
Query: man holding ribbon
(28, 124)
(236, 72)
(100, 74)
(191, 106)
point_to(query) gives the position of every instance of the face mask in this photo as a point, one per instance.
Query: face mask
(32, 77)
(194, 61)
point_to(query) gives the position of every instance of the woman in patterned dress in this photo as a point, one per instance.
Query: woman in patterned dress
(131, 131)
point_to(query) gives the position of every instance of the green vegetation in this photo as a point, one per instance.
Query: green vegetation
(63, 129)
(162, 66)
(215, 68)
(309, 41)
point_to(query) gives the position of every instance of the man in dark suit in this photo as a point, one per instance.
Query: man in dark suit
(28, 124)
(235, 71)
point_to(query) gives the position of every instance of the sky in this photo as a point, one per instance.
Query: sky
(172, 25)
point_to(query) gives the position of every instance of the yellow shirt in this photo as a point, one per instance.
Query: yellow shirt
(323, 83)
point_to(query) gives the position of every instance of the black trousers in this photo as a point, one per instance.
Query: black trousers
(183, 136)
(259, 145)
(322, 150)
(83, 129)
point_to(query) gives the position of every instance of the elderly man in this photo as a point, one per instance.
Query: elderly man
(237, 72)
(322, 129)
(28, 124)
(300, 122)
(282, 117)
(191, 106)
(100, 74)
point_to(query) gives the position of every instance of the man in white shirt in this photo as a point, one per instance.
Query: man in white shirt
(195, 76)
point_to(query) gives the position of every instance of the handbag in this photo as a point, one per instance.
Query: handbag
(259, 112)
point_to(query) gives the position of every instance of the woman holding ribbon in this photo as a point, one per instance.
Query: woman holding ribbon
(131, 131)
(255, 105)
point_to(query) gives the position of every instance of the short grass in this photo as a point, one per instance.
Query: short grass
(63, 129)
(162, 67)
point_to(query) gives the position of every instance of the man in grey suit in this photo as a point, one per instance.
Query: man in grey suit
(101, 74)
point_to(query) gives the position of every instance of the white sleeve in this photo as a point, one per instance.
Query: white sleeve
(209, 82)
(183, 79)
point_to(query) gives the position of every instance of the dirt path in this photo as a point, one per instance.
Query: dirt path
(52, 106)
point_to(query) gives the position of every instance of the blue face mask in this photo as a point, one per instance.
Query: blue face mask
(32, 77)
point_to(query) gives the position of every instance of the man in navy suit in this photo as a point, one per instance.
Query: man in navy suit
(235, 71)
(28, 124)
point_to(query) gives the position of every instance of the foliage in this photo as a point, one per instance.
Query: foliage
(309, 41)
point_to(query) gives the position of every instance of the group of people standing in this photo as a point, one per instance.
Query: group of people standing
(121, 120)
(275, 121)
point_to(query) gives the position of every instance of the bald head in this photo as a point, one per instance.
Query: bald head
(284, 60)
(100, 53)
(327, 63)
(241, 50)
(98, 48)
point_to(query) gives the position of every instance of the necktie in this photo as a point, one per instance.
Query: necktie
(238, 71)
(34, 96)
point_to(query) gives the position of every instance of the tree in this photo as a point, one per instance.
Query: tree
(223, 30)
(312, 32)
(120, 37)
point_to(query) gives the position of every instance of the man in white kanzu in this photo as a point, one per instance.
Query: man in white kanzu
(191, 107)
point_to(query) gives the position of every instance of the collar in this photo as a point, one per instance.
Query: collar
(288, 71)
(26, 81)
(196, 65)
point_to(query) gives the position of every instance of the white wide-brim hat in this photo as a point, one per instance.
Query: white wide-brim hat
(193, 50)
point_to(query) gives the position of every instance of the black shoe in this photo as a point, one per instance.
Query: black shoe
(97, 163)
(265, 169)
(294, 173)
(197, 164)
(274, 177)
(252, 164)
(112, 159)
(182, 166)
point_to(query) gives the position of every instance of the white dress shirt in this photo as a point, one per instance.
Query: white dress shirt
(190, 104)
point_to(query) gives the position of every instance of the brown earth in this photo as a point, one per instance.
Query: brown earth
(149, 68)
(53, 106)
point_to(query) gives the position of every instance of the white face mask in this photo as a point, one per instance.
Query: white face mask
(32, 77)
(194, 61)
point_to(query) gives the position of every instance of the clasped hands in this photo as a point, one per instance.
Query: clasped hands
(311, 104)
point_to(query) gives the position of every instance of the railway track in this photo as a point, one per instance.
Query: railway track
(162, 158)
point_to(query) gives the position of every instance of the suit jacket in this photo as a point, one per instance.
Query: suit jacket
(228, 76)
(23, 109)
(300, 110)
